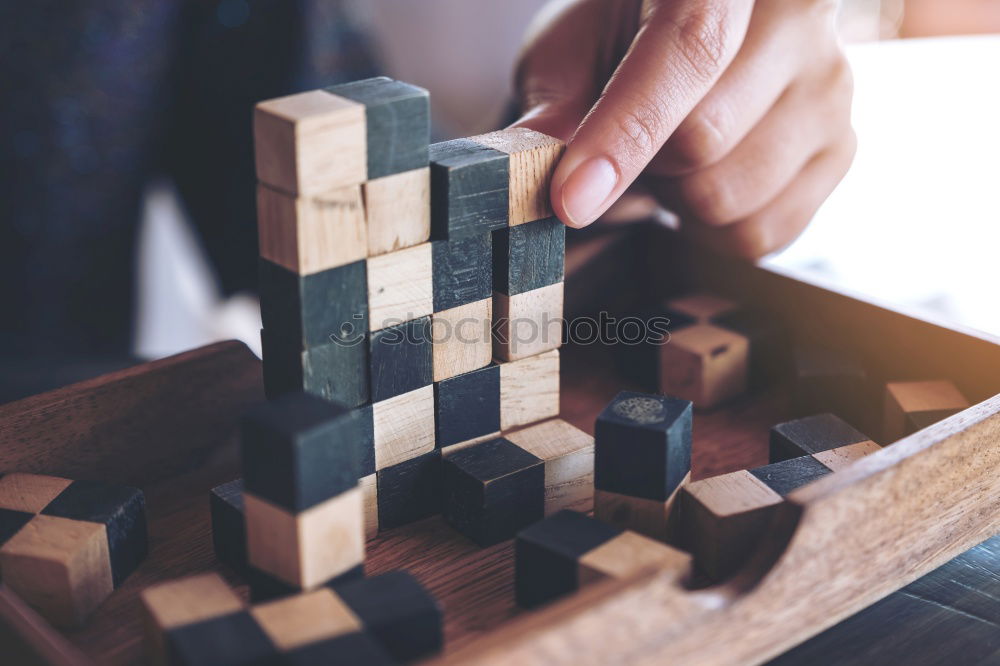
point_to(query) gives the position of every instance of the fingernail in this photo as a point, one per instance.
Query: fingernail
(587, 189)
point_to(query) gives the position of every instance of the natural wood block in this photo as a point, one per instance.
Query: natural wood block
(305, 618)
(401, 359)
(527, 324)
(403, 427)
(336, 371)
(533, 158)
(628, 553)
(229, 535)
(844, 456)
(704, 364)
(768, 340)
(650, 517)
(409, 491)
(462, 339)
(529, 256)
(309, 235)
(492, 490)
(398, 211)
(568, 453)
(467, 406)
(470, 185)
(369, 495)
(912, 406)
(810, 435)
(827, 380)
(400, 286)
(448, 450)
(308, 548)
(310, 142)
(702, 307)
(397, 118)
(529, 389)
(462, 271)
(299, 451)
(788, 475)
(29, 493)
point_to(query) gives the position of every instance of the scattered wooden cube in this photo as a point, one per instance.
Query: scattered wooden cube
(527, 324)
(768, 342)
(912, 406)
(229, 533)
(409, 491)
(704, 364)
(401, 358)
(336, 371)
(701, 307)
(469, 189)
(398, 211)
(532, 159)
(529, 389)
(568, 550)
(397, 118)
(642, 456)
(827, 380)
(529, 256)
(492, 490)
(467, 406)
(462, 271)
(462, 339)
(403, 427)
(568, 453)
(66, 545)
(310, 143)
(400, 286)
(812, 434)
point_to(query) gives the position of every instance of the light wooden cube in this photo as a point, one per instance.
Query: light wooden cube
(529, 389)
(912, 406)
(568, 453)
(404, 427)
(461, 338)
(398, 210)
(400, 286)
(704, 364)
(528, 323)
(533, 158)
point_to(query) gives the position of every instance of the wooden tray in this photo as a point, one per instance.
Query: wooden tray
(836, 545)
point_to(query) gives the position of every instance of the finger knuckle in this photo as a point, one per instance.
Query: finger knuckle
(698, 143)
(703, 37)
(753, 242)
(642, 126)
(710, 198)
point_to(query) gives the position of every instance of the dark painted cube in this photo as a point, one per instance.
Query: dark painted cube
(547, 555)
(638, 340)
(492, 490)
(401, 358)
(810, 435)
(529, 256)
(398, 118)
(229, 532)
(337, 371)
(642, 445)
(398, 612)
(469, 189)
(306, 311)
(235, 638)
(462, 271)
(768, 358)
(467, 406)
(788, 475)
(409, 491)
(300, 450)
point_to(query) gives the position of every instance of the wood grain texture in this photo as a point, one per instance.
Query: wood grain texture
(529, 389)
(704, 364)
(844, 456)
(369, 497)
(628, 553)
(568, 453)
(404, 427)
(400, 286)
(469, 185)
(29, 492)
(533, 157)
(335, 371)
(462, 271)
(398, 211)
(810, 435)
(527, 324)
(461, 339)
(529, 256)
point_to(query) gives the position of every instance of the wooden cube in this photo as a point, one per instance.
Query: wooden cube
(400, 286)
(229, 534)
(401, 359)
(397, 118)
(812, 434)
(828, 380)
(568, 453)
(527, 324)
(702, 307)
(310, 143)
(462, 339)
(336, 371)
(492, 490)
(309, 235)
(568, 550)
(369, 496)
(462, 271)
(641, 339)
(398, 211)
(705, 364)
(469, 185)
(912, 406)
(403, 427)
(409, 491)
(467, 406)
(66, 545)
(529, 256)
(529, 389)
(532, 159)
(768, 342)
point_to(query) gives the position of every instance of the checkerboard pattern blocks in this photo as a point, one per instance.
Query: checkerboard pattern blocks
(66, 545)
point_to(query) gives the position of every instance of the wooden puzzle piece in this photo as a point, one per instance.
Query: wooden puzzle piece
(529, 256)
(398, 211)
(403, 427)
(462, 271)
(705, 364)
(529, 389)
(527, 324)
(469, 189)
(409, 491)
(337, 371)
(400, 286)
(467, 406)
(810, 435)
(912, 406)
(401, 359)
(568, 453)
(462, 339)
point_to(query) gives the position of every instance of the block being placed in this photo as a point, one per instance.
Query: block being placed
(400, 286)
(409, 491)
(66, 545)
(401, 359)
(812, 434)
(568, 550)
(309, 235)
(397, 120)
(527, 324)
(462, 271)
(529, 389)
(469, 185)
(827, 380)
(705, 364)
(398, 211)
(336, 371)
(462, 339)
(403, 427)
(467, 406)
(568, 453)
(529, 256)
(532, 159)
(492, 490)
(912, 406)
(310, 143)
(701, 307)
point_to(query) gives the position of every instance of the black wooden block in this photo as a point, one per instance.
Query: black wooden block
(768, 342)
(398, 118)
(11, 522)
(265, 587)
(529, 256)
(337, 371)
(122, 510)
(397, 612)
(639, 339)
(811, 434)
(642, 445)
(547, 555)
(462, 271)
(229, 532)
(467, 406)
(401, 359)
(784, 477)
(300, 450)
(492, 490)
(233, 639)
(828, 380)
(469, 189)
(409, 491)
(345, 650)
(317, 309)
